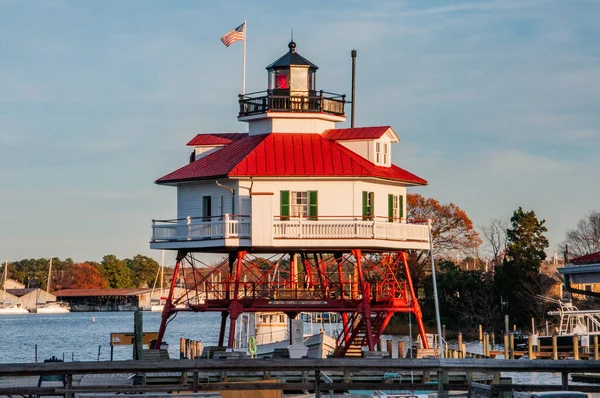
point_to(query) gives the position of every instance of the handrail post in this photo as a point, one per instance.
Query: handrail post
(189, 233)
(226, 226)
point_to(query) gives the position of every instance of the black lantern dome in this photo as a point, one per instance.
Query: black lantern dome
(292, 73)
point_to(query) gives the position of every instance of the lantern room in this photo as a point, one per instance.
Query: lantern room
(291, 103)
(293, 74)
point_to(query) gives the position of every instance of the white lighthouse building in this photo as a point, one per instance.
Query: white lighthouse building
(327, 203)
(294, 180)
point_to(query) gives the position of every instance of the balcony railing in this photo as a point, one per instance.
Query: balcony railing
(279, 101)
(349, 228)
(235, 226)
(200, 228)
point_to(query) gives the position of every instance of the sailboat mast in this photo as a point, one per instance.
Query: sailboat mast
(49, 276)
(4, 282)
(162, 273)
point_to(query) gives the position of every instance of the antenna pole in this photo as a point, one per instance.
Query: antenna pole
(353, 54)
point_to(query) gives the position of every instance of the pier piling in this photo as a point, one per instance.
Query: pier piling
(596, 348)
(576, 348)
(401, 349)
(554, 347)
(181, 348)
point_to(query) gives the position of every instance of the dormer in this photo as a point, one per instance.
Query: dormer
(291, 103)
(205, 144)
(372, 143)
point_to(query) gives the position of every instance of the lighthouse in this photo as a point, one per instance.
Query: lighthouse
(309, 217)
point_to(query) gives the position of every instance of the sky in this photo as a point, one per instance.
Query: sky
(496, 104)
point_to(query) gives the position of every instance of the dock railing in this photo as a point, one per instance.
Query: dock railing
(308, 371)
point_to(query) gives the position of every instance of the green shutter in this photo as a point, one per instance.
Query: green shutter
(372, 208)
(313, 210)
(285, 205)
(400, 206)
(391, 208)
(365, 209)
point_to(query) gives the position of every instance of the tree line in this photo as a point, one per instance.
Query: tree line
(112, 272)
(506, 280)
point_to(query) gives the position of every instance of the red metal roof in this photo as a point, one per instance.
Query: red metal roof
(356, 133)
(587, 259)
(100, 292)
(286, 155)
(216, 138)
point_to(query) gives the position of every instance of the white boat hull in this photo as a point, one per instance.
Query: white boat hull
(51, 310)
(14, 309)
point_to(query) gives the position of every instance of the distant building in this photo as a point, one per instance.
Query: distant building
(132, 299)
(582, 275)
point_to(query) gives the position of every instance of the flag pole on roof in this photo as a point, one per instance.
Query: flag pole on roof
(231, 37)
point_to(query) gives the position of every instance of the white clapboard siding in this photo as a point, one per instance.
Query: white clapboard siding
(189, 199)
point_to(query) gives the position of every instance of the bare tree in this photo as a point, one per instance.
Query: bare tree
(585, 238)
(494, 234)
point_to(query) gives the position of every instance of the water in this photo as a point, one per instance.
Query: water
(77, 336)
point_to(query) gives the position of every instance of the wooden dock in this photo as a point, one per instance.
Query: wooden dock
(288, 375)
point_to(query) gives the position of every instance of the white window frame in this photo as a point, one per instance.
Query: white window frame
(377, 152)
(385, 153)
(299, 204)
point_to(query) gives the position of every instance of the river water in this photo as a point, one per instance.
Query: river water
(78, 335)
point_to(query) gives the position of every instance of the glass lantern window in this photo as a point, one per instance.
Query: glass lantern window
(281, 80)
(311, 80)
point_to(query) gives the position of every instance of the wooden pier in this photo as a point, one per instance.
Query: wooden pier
(286, 375)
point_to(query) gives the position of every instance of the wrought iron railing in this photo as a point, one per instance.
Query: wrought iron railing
(277, 101)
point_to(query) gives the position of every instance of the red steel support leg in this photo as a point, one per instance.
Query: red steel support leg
(168, 307)
(345, 327)
(235, 307)
(416, 308)
(366, 305)
(339, 261)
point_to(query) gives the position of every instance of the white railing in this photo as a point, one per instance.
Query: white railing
(301, 228)
(198, 228)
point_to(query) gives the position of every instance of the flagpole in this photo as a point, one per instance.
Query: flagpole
(244, 62)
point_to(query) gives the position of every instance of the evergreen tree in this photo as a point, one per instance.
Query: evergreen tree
(116, 272)
(516, 280)
(143, 270)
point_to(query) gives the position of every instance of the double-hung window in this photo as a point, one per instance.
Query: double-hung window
(395, 208)
(299, 204)
(368, 205)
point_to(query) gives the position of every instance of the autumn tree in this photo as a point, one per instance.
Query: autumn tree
(116, 272)
(143, 270)
(451, 229)
(585, 238)
(516, 279)
(81, 276)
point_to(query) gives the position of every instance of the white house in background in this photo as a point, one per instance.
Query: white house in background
(294, 180)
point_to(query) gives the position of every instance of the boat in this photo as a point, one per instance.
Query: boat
(51, 307)
(272, 338)
(158, 296)
(157, 303)
(10, 308)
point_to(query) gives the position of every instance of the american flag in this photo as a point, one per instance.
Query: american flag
(237, 34)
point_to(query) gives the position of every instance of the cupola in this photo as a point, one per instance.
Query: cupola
(292, 74)
(291, 103)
